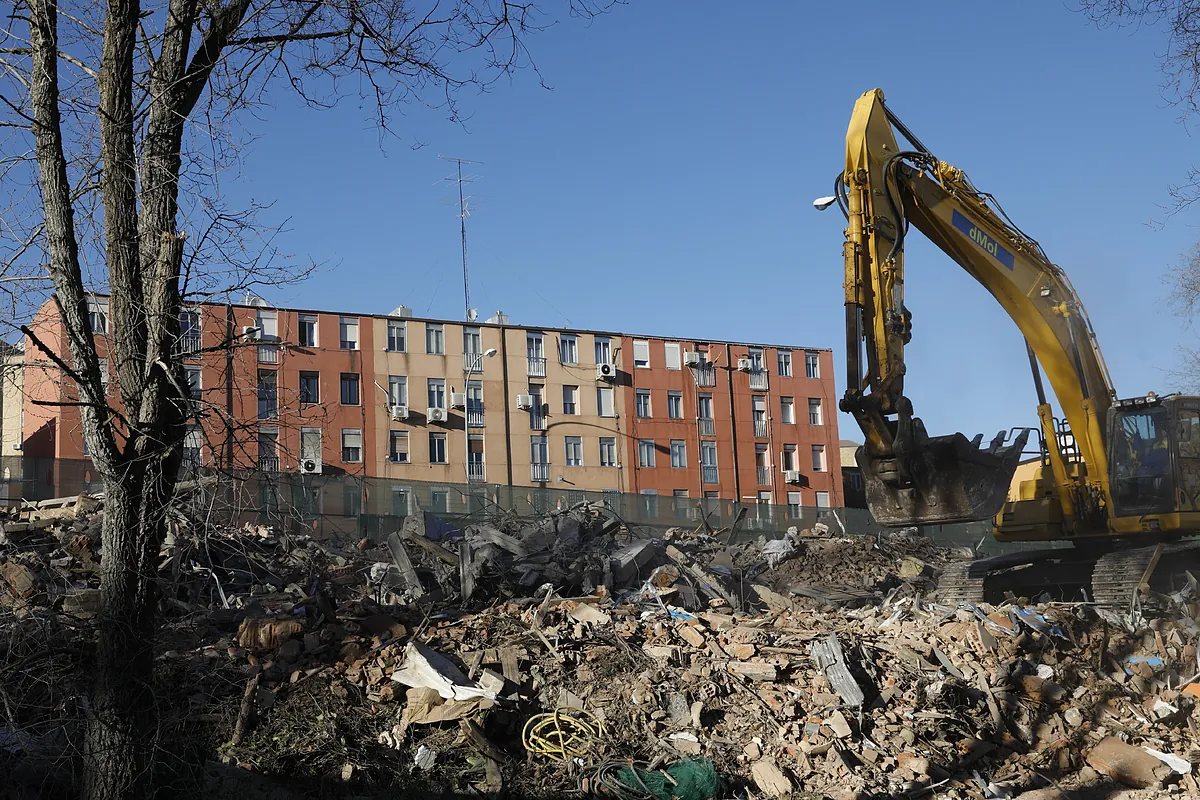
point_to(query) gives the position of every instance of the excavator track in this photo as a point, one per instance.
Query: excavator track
(1117, 575)
(1111, 579)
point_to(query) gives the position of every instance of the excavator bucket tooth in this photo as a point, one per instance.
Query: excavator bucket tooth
(951, 480)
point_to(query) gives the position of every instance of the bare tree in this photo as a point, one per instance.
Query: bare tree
(117, 120)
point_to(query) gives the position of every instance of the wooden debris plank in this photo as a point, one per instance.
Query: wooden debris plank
(404, 564)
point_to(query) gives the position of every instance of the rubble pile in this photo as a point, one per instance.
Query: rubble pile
(565, 655)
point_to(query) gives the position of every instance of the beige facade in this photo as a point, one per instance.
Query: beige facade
(12, 377)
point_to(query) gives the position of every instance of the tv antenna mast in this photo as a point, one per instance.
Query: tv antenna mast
(463, 213)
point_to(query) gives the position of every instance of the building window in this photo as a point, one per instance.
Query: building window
(268, 450)
(437, 448)
(645, 452)
(678, 454)
(704, 406)
(785, 363)
(306, 500)
(397, 390)
(189, 331)
(268, 402)
(795, 508)
(310, 388)
(571, 400)
(398, 447)
(672, 357)
(98, 316)
(439, 500)
(641, 353)
(472, 342)
(436, 388)
(608, 451)
(435, 339)
(643, 403)
(789, 457)
(675, 405)
(349, 388)
(822, 499)
(310, 444)
(604, 401)
(308, 330)
(396, 335)
(193, 440)
(812, 364)
(787, 410)
(574, 451)
(650, 502)
(268, 326)
(818, 457)
(814, 411)
(195, 384)
(351, 445)
(603, 350)
(348, 333)
(351, 498)
(756, 359)
(568, 349)
(399, 501)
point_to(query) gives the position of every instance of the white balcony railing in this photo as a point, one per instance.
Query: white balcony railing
(760, 429)
(472, 362)
(268, 463)
(188, 344)
(758, 379)
(708, 474)
(537, 367)
(764, 476)
(708, 426)
(539, 473)
(706, 375)
(475, 472)
(268, 354)
(537, 421)
(474, 417)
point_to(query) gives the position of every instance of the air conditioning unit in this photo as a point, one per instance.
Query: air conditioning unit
(435, 414)
(606, 371)
(791, 475)
(745, 365)
(252, 333)
(524, 402)
(458, 399)
(691, 358)
(310, 466)
(399, 412)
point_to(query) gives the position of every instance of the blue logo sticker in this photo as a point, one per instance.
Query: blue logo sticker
(976, 235)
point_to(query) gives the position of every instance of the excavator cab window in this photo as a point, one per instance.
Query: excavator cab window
(1141, 461)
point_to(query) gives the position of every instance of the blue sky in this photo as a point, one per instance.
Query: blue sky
(665, 184)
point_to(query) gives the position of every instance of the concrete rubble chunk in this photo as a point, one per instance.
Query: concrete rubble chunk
(770, 779)
(1130, 765)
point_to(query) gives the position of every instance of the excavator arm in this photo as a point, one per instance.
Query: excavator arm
(912, 478)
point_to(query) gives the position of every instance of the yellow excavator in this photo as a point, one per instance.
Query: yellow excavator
(1119, 478)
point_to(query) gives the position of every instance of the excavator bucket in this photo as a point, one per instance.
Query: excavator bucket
(950, 479)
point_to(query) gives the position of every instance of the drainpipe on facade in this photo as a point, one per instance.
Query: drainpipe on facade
(507, 431)
(737, 479)
(228, 385)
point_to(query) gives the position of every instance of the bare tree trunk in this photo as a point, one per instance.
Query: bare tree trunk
(120, 743)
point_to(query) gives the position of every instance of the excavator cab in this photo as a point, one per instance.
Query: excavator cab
(1154, 455)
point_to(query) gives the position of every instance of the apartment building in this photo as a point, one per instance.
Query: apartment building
(490, 403)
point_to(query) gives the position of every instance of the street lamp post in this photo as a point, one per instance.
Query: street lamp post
(491, 351)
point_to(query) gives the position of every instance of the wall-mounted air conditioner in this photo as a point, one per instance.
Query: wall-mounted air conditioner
(399, 412)
(435, 414)
(458, 399)
(310, 466)
(606, 371)
(524, 402)
(691, 358)
(251, 333)
(791, 475)
(745, 365)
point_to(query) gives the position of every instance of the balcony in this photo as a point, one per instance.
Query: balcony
(188, 344)
(758, 379)
(268, 354)
(708, 426)
(708, 474)
(760, 429)
(764, 475)
(473, 362)
(537, 421)
(474, 417)
(268, 463)
(539, 473)
(475, 472)
(537, 367)
(706, 375)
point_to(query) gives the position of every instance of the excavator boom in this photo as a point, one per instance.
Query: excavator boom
(912, 478)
